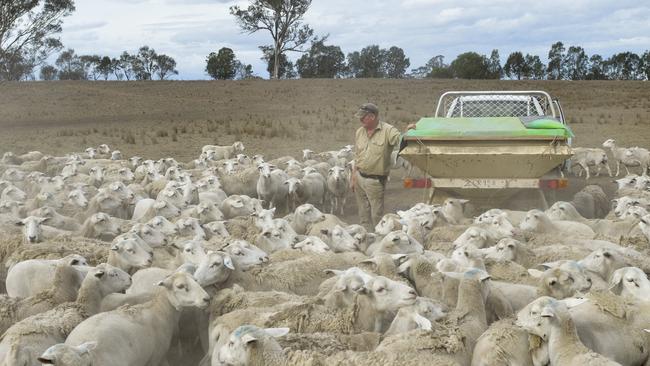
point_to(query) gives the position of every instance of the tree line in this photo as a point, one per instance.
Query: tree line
(29, 37)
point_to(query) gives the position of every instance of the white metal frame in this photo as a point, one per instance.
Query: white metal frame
(457, 94)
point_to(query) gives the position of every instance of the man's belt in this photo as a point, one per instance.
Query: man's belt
(371, 176)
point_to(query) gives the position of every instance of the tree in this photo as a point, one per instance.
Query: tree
(596, 68)
(533, 67)
(222, 65)
(369, 63)
(105, 67)
(116, 69)
(645, 64)
(395, 63)
(470, 65)
(495, 71)
(515, 65)
(244, 71)
(285, 67)
(576, 63)
(70, 66)
(144, 65)
(282, 19)
(321, 61)
(165, 66)
(127, 64)
(555, 69)
(49, 72)
(624, 66)
(27, 34)
(90, 65)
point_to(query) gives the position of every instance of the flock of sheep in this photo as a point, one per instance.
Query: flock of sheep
(585, 158)
(231, 260)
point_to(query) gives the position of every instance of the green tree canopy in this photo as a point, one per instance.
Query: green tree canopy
(282, 19)
(28, 30)
(321, 61)
(222, 65)
(470, 65)
(395, 63)
(515, 64)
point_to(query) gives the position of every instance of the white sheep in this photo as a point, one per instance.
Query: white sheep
(34, 231)
(453, 209)
(245, 255)
(224, 152)
(536, 221)
(142, 333)
(27, 278)
(620, 156)
(630, 282)
(338, 185)
(551, 321)
(64, 355)
(587, 157)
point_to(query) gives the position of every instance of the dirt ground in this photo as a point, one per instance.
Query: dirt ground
(274, 118)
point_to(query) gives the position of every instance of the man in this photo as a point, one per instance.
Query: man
(374, 142)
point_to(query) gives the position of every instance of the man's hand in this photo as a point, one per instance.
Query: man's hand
(411, 126)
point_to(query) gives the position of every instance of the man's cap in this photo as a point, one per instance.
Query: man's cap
(367, 108)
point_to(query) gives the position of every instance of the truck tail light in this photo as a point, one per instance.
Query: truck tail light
(553, 183)
(417, 183)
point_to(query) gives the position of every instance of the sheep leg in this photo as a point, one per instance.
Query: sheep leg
(609, 170)
(627, 171)
(598, 167)
(618, 167)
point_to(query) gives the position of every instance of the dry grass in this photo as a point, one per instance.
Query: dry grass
(156, 119)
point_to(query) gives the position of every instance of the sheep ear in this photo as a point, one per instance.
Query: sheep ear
(277, 332)
(324, 231)
(115, 247)
(535, 273)
(370, 262)
(100, 274)
(20, 223)
(248, 339)
(422, 322)
(334, 272)
(615, 282)
(167, 282)
(227, 262)
(399, 258)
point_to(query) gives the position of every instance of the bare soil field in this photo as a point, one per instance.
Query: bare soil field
(176, 118)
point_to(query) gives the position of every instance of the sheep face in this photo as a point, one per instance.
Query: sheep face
(48, 199)
(475, 236)
(218, 229)
(388, 295)
(104, 226)
(104, 149)
(245, 340)
(111, 279)
(630, 282)
(166, 209)
(308, 213)
(191, 251)
(533, 221)
(602, 262)
(63, 354)
(162, 224)
(504, 250)
(96, 173)
(246, 255)
(535, 318)
(14, 194)
(417, 316)
(108, 201)
(183, 291)
(214, 268)
(190, 227)
(644, 225)
(340, 240)
(78, 198)
(236, 205)
(346, 287)
(312, 244)
(153, 237)
(565, 281)
(32, 228)
(561, 210)
(131, 253)
(397, 242)
(75, 260)
(388, 223)
(623, 204)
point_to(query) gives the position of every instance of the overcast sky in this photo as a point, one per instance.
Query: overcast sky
(188, 30)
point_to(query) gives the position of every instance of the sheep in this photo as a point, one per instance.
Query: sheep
(396, 242)
(224, 152)
(150, 235)
(452, 209)
(64, 288)
(591, 201)
(30, 337)
(420, 315)
(100, 226)
(509, 249)
(245, 255)
(270, 185)
(630, 282)
(337, 186)
(620, 156)
(28, 278)
(644, 225)
(311, 188)
(305, 215)
(243, 182)
(142, 333)
(249, 345)
(163, 225)
(312, 244)
(339, 240)
(146, 209)
(551, 321)
(56, 220)
(13, 193)
(301, 275)
(34, 231)
(63, 355)
(237, 205)
(623, 204)
(536, 221)
(586, 157)
(128, 255)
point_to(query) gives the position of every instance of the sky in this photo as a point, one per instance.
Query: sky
(188, 30)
